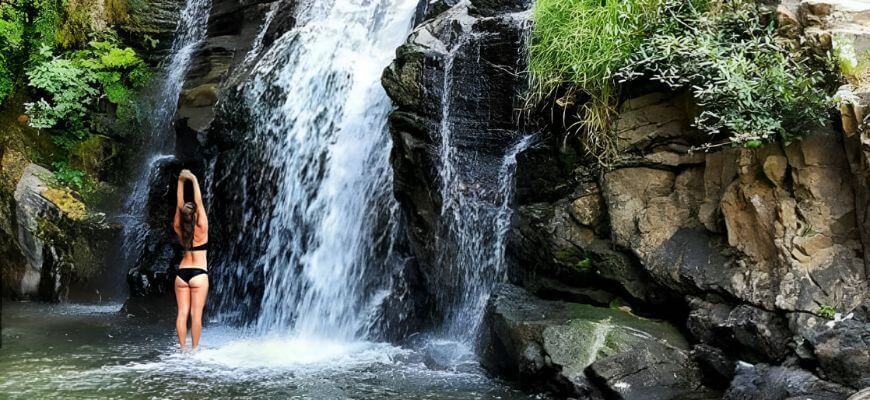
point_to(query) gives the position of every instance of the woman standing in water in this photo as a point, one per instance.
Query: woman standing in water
(191, 284)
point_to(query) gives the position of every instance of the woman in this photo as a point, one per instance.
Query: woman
(191, 284)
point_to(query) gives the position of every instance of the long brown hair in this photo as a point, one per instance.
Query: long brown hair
(188, 221)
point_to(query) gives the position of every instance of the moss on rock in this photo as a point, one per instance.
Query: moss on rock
(71, 207)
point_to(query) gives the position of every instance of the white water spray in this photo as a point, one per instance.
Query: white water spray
(475, 211)
(317, 102)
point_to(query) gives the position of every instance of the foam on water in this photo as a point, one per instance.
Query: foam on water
(295, 353)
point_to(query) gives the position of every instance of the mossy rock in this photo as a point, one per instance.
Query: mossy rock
(91, 154)
(12, 164)
(86, 17)
(70, 206)
(594, 333)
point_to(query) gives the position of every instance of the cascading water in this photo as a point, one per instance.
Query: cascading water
(162, 105)
(475, 222)
(475, 212)
(319, 113)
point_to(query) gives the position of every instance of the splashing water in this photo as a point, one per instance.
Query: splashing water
(476, 230)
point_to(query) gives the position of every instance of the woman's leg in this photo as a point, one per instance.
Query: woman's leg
(198, 293)
(182, 297)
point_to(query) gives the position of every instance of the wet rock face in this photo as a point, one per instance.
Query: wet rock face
(56, 249)
(585, 351)
(474, 53)
(150, 26)
(219, 63)
(153, 273)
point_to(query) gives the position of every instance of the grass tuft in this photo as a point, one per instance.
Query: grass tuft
(578, 46)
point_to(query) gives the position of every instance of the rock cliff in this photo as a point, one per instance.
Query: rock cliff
(750, 252)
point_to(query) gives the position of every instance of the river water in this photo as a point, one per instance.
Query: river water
(81, 351)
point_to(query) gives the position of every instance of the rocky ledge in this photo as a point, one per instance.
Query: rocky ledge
(584, 351)
(53, 249)
(581, 351)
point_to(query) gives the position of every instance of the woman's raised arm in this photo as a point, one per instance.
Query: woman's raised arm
(179, 202)
(201, 218)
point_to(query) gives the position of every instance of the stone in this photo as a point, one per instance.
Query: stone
(559, 253)
(775, 167)
(220, 61)
(651, 372)
(787, 22)
(588, 209)
(842, 351)
(652, 118)
(784, 213)
(520, 331)
(716, 366)
(675, 159)
(753, 334)
(56, 246)
(155, 20)
(762, 382)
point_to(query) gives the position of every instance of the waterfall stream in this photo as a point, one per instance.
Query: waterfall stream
(476, 191)
(320, 114)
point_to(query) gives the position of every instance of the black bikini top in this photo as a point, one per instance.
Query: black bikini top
(203, 246)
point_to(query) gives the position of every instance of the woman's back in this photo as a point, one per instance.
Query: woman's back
(194, 257)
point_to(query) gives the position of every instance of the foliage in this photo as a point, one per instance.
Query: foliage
(580, 44)
(854, 66)
(583, 42)
(78, 26)
(827, 311)
(70, 177)
(11, 38)
(70, 88)
(75, 83)
(745, 82)
(77, 79)
(25, 25)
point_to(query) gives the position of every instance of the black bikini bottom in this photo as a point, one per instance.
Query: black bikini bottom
(186, 274)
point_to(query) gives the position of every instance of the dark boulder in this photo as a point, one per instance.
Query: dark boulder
(653, 371)
(578, 350)
(765, 382)
(753, 334)
(842, 350)
(154, 271)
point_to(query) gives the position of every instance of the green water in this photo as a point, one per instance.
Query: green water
(78, 351)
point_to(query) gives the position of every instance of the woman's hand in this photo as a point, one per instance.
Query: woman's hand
(186, 174)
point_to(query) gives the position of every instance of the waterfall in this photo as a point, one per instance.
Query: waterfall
(476, 191)
(318, 121)
(162, 104)
(475, 223)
